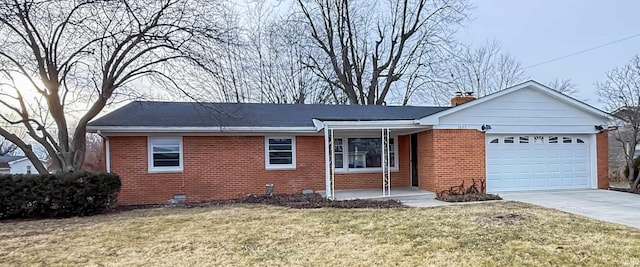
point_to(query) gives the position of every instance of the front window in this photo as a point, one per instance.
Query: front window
(165, 154)
(362, 153)
(338, 153)
(280, 152)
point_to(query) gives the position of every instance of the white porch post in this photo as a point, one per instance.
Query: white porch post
(385, 162)
(333, 164)
(328, 165)
(327, 180)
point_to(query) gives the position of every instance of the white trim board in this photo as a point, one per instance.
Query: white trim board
(162, 129)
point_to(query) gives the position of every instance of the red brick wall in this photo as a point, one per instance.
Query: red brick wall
(224, 167)
(448, 157)
(426, 161)
(602, 157)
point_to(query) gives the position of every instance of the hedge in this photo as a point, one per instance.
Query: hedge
(57, 195)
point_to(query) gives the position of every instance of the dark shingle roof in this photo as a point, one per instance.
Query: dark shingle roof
(187, 114)
(4, 160)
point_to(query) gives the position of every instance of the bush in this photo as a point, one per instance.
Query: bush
(57, 195)
(461, 193)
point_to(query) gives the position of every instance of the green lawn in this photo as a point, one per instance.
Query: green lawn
(274, 236)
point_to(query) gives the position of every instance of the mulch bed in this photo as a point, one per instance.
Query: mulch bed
(621, 189)
(297, 201)
(469, 197)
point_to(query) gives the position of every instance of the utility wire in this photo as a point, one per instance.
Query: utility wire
(583, 51)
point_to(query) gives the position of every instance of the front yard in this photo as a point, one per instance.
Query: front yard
(264, 235)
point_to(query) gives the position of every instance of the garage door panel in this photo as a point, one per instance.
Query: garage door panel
(534, 162)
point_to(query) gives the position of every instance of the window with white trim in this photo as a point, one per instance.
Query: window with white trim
(280, 152)
(338, 153)
(362, 153)
(165, 154)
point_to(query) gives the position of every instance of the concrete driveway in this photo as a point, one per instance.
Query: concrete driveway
(611, 206)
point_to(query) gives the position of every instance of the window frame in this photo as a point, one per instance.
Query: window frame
(270, 166)
(345, 158)
(150, 144)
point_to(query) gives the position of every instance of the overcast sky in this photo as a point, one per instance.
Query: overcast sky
(537, 31)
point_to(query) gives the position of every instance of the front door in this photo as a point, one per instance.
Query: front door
(414, 160)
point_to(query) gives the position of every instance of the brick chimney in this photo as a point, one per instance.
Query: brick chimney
(461, 98)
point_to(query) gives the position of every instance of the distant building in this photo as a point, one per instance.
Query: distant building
(16, 165)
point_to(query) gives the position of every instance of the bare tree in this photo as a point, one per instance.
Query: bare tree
(565, 86)
(286, 78)
(82, 55)
(482, 70)
(368, 46)
(621, 94)
(485, 70)
(266, 63)
(94, 158)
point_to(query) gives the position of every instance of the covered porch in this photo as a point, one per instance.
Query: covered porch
(371, 159)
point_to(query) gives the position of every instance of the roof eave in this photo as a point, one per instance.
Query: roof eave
(160, 129)
(369, 124)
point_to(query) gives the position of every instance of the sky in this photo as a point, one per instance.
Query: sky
(541, 30)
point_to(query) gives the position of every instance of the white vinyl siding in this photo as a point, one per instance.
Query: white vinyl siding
(165, 154)
(23, 166)
(280, 152)
(523, 111)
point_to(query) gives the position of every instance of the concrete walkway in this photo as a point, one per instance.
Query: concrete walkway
(611, 206)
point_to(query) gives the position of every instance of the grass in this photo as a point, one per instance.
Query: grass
(258, 235)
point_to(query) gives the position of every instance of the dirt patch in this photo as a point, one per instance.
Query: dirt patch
(296, 201)
(500, 219)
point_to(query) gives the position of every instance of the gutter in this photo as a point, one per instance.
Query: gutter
(367, 125)
(156, 129)
(107, 151)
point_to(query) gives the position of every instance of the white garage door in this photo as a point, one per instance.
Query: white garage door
(538, 162)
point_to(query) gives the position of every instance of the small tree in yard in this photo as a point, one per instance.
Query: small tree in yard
(62, 62)
(621, 93)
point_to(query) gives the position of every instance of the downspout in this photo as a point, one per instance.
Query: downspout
(107, 151)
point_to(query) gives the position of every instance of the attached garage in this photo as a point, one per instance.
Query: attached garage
(538, 162)
(527, 137)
